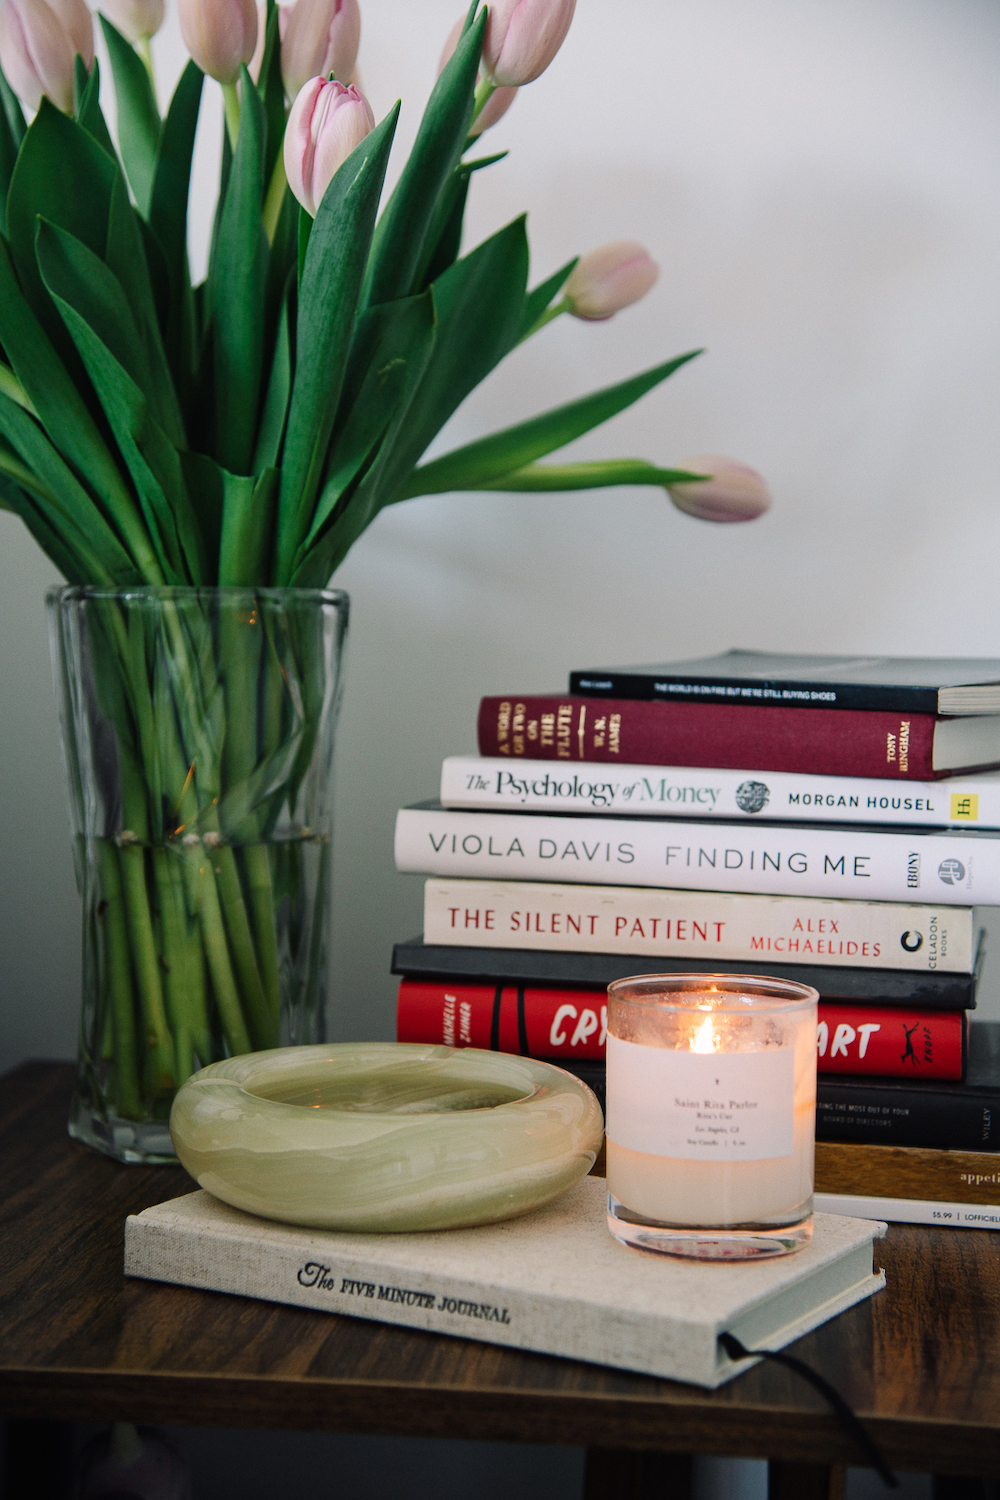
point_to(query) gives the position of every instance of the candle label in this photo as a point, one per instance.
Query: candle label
(715, 1106)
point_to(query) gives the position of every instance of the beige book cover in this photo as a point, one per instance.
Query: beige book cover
(554, 1281)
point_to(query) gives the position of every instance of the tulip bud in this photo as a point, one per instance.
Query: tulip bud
(219, 34)
(732, 492)
(38, 49)
(326, 122)
(134, 18)
(79, 23)
(610, 278)
(499, 101)
(321, 38)
(522, 38)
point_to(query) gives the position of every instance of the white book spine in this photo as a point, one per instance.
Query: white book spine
(697, 924)
(952, 868)
(910, 1211)
(471, 781)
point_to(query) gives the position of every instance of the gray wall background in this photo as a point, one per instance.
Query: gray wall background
(819, 180)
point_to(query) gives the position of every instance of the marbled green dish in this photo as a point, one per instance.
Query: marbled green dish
(385, 1136)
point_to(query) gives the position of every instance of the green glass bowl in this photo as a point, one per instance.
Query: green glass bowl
(383, 1136)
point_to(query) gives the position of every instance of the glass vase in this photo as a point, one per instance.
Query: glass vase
(197, 732)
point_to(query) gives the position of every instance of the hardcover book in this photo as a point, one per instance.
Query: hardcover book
(704, 924)
(925, 991)
(904, 684)
(953, 867)
(936, 1212)
(902, 1112)
(553, 1281)
(908, 1172)
(963, 1117)
(560, 1024)
(497, 784)
(824, 742)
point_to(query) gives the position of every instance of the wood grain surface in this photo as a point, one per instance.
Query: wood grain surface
(908, 1172)
(920, 1361)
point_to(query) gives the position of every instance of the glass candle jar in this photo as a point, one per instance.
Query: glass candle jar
(711, 1114)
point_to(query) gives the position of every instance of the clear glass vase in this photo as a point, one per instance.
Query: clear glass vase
(197, 730)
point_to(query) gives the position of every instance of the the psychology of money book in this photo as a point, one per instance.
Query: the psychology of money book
(472, 781)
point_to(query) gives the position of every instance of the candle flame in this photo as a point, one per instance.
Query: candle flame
(705, 1038)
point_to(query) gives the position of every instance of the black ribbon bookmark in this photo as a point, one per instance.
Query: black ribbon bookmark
(845, 1414)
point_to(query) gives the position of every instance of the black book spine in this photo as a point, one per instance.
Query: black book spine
(755, 690)
(872, 1115)
(905, 987)
(875, 1115)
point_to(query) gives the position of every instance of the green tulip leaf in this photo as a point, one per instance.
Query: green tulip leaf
(139, 125)
(152, 460)
(10, 108)
(87, 90)
(205, 484)
(62, 175)
(271, 88)
(126, 259)
(64, 502)
(275, 412)
(61, 409)
(248, 507)
(443, 240)
(599, 474)
(398, 249)
(168, 219)
(328, 300)
(480, 463)
(478, 304)
(391, 349)
(239, 270)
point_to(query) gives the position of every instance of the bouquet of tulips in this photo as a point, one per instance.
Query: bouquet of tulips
(243, 433)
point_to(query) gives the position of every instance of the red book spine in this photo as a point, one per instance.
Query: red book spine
(888, 1041)
(811, 741)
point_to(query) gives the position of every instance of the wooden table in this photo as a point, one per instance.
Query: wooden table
(920, 1361)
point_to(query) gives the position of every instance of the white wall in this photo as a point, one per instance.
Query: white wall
(819, 179)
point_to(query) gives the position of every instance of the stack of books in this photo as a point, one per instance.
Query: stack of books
(827, 821)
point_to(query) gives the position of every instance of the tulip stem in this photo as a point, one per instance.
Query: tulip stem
(231, 100)
(565, 304)
(143, 49)
(275, 198)
(484, 92)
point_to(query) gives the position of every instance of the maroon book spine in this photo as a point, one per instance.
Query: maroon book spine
(810, 741)
(559, 1023)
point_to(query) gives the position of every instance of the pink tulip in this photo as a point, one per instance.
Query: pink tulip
(38, 47)
(326, 122)
(322, 37)
(499, 101)
(219, 34)
(610, 278)
(733, 492)
(522, 38)
(79, 23)
(134, 18)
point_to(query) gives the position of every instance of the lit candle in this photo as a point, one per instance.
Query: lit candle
(711, 1111)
